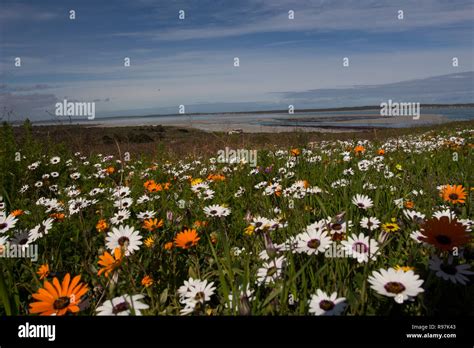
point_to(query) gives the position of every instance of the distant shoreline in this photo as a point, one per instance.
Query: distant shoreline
(296, 111)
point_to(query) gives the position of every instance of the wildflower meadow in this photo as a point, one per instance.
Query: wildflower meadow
(341, 227)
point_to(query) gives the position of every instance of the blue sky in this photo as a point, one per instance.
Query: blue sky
(190, 61)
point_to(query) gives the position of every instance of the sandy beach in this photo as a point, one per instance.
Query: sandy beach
(280, 123)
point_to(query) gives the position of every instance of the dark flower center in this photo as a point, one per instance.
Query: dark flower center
(326, 305)
(121, 307)
(61, 302)
(337, 236)
(123, 240)
(360, 205)
(443, 239)
(453, 196)
(200, 296)
(3, 225)
(213, 212)
(271, 271)
(188, 244)
(314, 243)
(23, 241)
(394, 287)
(360, 247)
(336, 227)
(449, 269)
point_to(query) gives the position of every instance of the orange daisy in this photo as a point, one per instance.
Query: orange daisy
(109, 263)
(198, 224)
(453, 194)
(155, 188)
(216, 177)
(17, 212)
(186, 239)
(101, 225)
(149, 183)
(359, 149)
(152, 224)
(58, 299)
(444, 234)
(380, 152)
(169, 246)
(295, 152)
(147, 281)
(43, 271)
(57, 216)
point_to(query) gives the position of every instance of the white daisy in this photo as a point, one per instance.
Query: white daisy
(7, 222)
(271, 271)
(414, 215)
(216, 211)
(75, 176)
(312, 241)
(362, 201)
(418, 237)
(120, 216)
(124, 236)
(95, 191)
(370, 223)
(145, 215)
(448, 271)
(360, 247)
(399, 284)
(55, 160)
(323, 304)
(123, 203)
(194, 292)
(41, 229)
(121, 192)
(123, 305)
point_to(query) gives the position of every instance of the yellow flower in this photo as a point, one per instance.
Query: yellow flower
(404, 268)
(390, 227)
(149, 242)
(399, 167)
(196, 181)
(249, 230)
